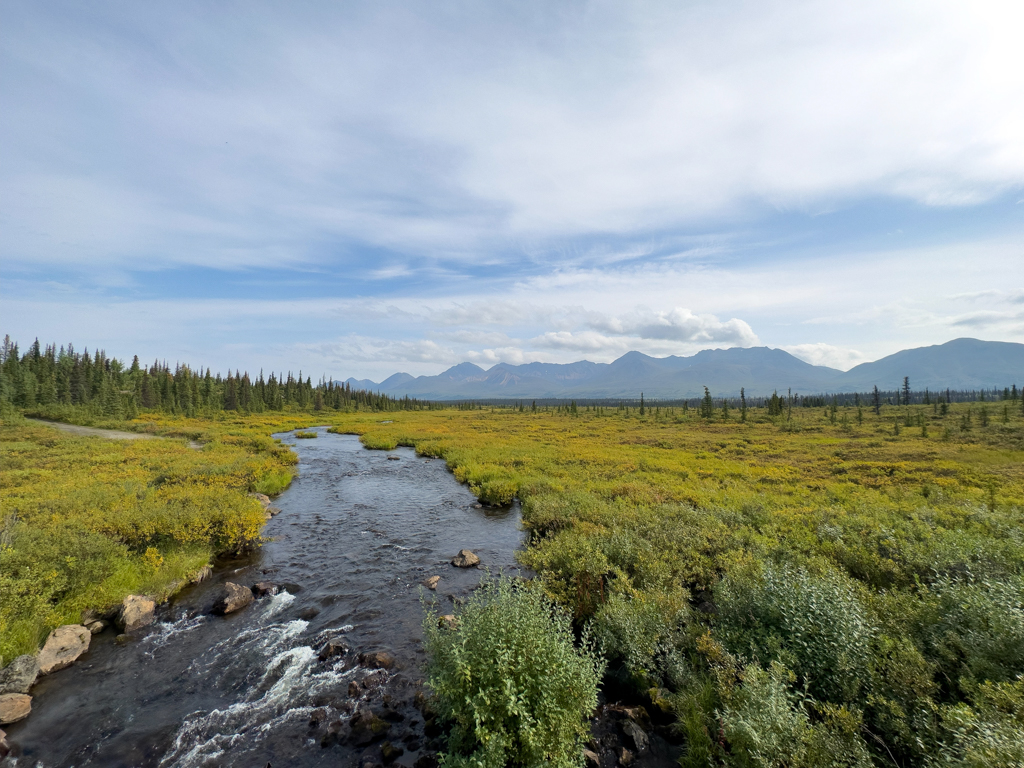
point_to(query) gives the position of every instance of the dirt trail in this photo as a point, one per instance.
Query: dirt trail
(110, 434)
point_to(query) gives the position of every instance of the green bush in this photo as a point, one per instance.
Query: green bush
(767, 725)
(305, 435)
(816, 625)
(977, 631)
(991, 735)
(510, 680)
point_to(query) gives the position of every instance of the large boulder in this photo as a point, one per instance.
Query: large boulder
(14, 707)
(465, 559)
(135, 613)
(20, 675)
(236, 597)
(63, 646)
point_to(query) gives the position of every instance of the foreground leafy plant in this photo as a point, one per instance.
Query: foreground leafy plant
(510, 679)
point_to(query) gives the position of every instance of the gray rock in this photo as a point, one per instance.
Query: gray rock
(236, 597)
(136, 612)
(14, 707)
(20, 675)
(634, 736)
(95, 627)
(63, 646)
(465, 559)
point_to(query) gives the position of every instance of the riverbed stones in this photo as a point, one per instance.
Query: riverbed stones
(624, 756)
(235, 598)
(431, 582)
(465, 559)
(377, 660)
(63, 646)
(390, 752)
(5, 745)
(592, 759)
(20, 675)
(367, 728)
(14, 707)
(136, 612)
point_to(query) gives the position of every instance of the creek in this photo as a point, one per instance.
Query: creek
(358, 532)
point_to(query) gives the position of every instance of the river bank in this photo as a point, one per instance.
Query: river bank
(357, 535)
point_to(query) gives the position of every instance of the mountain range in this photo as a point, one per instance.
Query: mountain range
(958, 364)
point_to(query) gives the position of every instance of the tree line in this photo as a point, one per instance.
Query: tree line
(51, 376)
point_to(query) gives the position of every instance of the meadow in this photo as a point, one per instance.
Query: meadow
(820, 586)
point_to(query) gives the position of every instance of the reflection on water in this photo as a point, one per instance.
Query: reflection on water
(356, 536)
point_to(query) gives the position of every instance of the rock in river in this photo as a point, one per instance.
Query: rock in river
(465, 559)
(136, 612)
(14, 707)
(235, 598)
(20, 675)
(63, 646)
(377, 660)
(264, 588)
(431, 582)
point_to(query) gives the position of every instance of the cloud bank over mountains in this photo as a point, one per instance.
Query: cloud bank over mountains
(510, 181)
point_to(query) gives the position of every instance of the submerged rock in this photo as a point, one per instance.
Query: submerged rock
(390, 752)
(136, 612)
(431, 582)
(465, 559)
(63, 646)
(20, 675)
(14, 707)
(377, 660)
(236, 597)
(367, 728)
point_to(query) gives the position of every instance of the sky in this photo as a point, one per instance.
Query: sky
(355, 189)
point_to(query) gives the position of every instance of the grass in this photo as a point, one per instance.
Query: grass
(705, 552)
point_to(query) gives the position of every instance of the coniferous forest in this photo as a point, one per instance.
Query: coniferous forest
(48, 378)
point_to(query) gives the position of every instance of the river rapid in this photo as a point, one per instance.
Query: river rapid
(358, 532)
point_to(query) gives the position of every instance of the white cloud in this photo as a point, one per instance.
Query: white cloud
(308, 134)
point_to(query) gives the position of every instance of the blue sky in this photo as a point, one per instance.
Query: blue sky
(357, 189)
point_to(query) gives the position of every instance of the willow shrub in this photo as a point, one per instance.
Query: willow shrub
(815, 624)
(510, 679)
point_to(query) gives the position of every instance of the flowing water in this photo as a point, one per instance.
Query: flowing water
(357, 533)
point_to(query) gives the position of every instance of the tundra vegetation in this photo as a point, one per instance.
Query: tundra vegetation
(836, 585)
